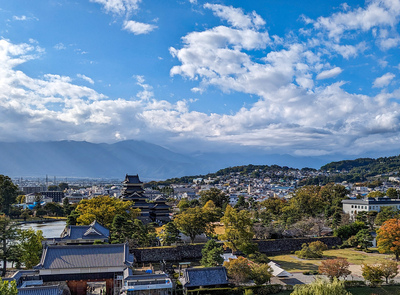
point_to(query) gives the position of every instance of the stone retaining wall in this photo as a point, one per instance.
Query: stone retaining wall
(192, 252)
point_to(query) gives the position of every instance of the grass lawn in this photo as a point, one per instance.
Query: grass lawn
(291, 263)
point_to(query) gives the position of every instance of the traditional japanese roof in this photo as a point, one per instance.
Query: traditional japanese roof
(85, 256)
(132, 179)
(277, 271)
(40, 290)
(93, 231)
(208, 276)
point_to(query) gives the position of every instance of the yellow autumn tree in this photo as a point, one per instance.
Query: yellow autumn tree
(103, 209)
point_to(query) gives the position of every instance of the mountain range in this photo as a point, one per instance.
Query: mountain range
(150, 161)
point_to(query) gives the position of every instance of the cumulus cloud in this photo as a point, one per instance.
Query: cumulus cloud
(60, 46)
(384, 80)
(329, 73)
(138, 28)
(292, 113)
(119, 7)
(236, 17)
(378, 13)
(86, 78)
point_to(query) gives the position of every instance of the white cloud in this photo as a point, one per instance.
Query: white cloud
(138, 28)
(383, 81)
(329, 73)
(119, 7)
(24, 18)
(236, 16)
(60, 46)
(87, 79)
(378, 13)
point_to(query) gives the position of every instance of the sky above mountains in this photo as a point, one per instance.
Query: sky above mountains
(306, 78)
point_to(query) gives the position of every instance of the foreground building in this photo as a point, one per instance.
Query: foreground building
(79, 265)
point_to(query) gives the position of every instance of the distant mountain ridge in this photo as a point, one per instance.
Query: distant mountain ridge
(150, 161)
(84, 159)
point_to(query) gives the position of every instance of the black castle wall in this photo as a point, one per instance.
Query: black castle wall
(192, 252)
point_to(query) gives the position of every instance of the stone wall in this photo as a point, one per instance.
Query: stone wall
(173, 253)
(192, 252)
(273, 247)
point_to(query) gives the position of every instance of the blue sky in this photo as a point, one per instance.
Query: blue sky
(307, 79)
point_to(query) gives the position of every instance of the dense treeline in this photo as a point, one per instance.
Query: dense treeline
(358, 170)
(245, 170)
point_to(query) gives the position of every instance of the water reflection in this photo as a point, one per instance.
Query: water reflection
(50, 229)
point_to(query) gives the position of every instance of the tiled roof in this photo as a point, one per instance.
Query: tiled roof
(132, 179)
(208, 276)
(85, 256)
(93, 231)
(40, 290)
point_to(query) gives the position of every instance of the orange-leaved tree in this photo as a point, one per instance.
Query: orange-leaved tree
(334, 268)
(389, 237)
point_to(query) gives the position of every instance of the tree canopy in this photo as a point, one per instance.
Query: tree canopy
(388, 237)
(103, 209)
(8, 194)
(238, 230)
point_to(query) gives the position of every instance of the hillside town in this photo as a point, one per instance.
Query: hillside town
(162, 239)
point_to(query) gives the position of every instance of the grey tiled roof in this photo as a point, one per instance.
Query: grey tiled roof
(196, 277)
(40, 290)
(85, 256)
(93, 231)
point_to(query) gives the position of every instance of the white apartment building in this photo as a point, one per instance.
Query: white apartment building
(353, 206)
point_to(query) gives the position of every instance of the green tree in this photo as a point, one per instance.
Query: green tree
(392, 193)
(211, 254)
(63, 186)
(312, 250)
(8, 288)
(183, 205)
(219, 198)
(346, 231)
(364, 239)
(66, 207)
(191, 222)
(238, 230)
(389, 270)
(8, 194)
(8, 237)
(376, 194)
(54, 209)
(321, 287)
(386, 213)
(261, 273)
(169, 234)
(372, 273)
(241, 203)
(309, 200)
(30, 245)
(122, 229)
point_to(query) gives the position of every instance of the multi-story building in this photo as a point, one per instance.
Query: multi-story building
(353, 206)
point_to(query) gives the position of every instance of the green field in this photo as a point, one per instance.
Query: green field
(291, 263)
